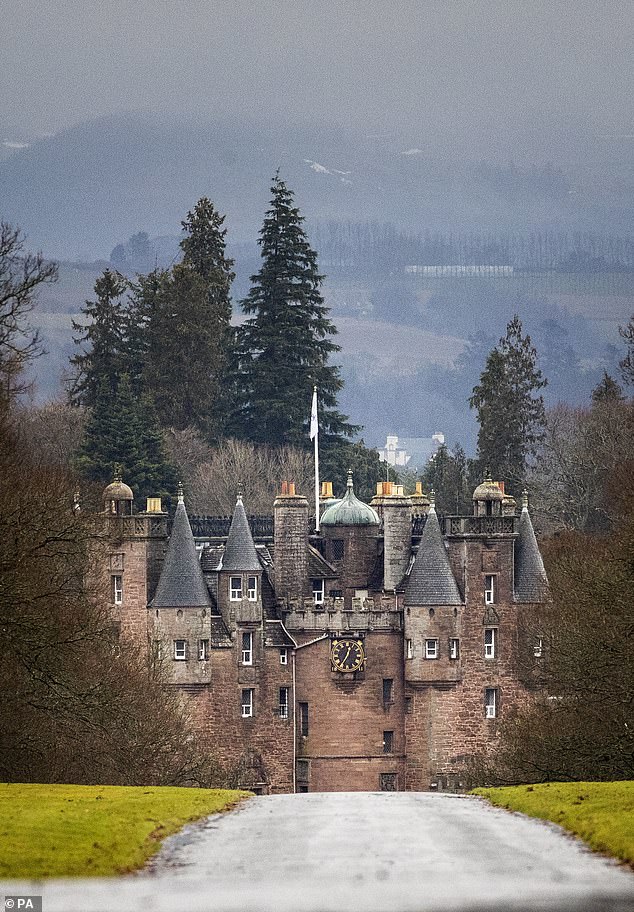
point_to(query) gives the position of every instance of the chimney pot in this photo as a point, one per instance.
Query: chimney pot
(419, 487)
(284, 487)
(291, 488)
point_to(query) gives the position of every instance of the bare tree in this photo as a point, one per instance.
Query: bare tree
(20, 276)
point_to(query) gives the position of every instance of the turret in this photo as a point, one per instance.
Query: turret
(118, 497)
(530, 581)
(240, 577)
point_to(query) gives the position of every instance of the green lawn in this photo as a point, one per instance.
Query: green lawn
(82, 830)
(601, 813)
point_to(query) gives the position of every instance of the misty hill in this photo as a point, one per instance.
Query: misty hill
(79, 193)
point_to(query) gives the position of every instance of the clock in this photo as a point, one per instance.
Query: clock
(347, 655)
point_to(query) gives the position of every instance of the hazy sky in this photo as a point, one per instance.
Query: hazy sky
(463, 68)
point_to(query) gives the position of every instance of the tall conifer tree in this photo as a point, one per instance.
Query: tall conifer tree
(510, 409)
(188, 328)
(104, 337)
(285, 344)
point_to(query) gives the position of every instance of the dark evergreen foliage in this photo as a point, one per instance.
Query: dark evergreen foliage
(367, 469)
(285, 345)
(123, 429)
(103, 337)
(448, 475)
(608, 390)
(187, 334)
(511, 414)
(627, 363)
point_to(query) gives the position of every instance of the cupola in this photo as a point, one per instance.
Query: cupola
(118, 497)
(488, 497)
(350, 511)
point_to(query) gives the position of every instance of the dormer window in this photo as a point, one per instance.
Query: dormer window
(235, 589)
(252, 588)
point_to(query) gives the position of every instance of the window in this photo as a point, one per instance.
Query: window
(180, 650)
(388, 690)
(454, 648)
(303, 719)
(318, 591)
(284, 656)
(490, 702)
(235, 589)
(303, 770)
(283, 702)
(489, 642)
(431, 649)
(336, 593)
(538, 648)
(336, 548)
(247, 703)
(252, 588)
(203, 650)
(388, 782)
(247, 648)
(117, 589)
(388, 742)
(489, 589)
(409, 649)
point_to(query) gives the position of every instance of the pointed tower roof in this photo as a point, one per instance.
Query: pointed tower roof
(240, 552)
(181, 584)
(431, 581)
(531, 581)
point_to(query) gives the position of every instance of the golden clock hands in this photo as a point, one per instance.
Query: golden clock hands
(345, 658)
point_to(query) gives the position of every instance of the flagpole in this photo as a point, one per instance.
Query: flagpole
(314, 433)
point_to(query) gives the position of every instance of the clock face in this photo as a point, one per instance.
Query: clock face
(347, 655)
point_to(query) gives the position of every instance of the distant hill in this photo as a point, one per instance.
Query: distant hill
(79, 193)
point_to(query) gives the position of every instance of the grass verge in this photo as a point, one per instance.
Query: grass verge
(85, 830)
(601, 813)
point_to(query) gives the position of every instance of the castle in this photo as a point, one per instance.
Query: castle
(378, 654)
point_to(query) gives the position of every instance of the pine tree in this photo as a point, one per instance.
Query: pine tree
(608, 390)
(123, 430)
(103, 361)
(188, 332)
(447, 474)
(511, 414)
(285, 345)
(627, 363)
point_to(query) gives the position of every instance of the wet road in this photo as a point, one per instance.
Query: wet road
(372, 852)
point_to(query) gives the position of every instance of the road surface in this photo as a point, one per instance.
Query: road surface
(367, 852)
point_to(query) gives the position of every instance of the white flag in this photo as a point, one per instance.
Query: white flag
(314, 427)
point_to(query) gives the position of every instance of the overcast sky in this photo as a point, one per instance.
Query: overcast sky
(466, 69)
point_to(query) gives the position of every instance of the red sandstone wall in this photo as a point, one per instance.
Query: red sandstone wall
(347, 717)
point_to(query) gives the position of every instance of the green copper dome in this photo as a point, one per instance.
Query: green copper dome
(350, 511)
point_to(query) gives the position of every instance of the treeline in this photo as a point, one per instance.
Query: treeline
(370, 248)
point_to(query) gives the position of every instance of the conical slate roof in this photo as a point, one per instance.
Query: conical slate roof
(530, 582)
(240, 552)
(349, 511)
(431, 581)
(181, 584)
